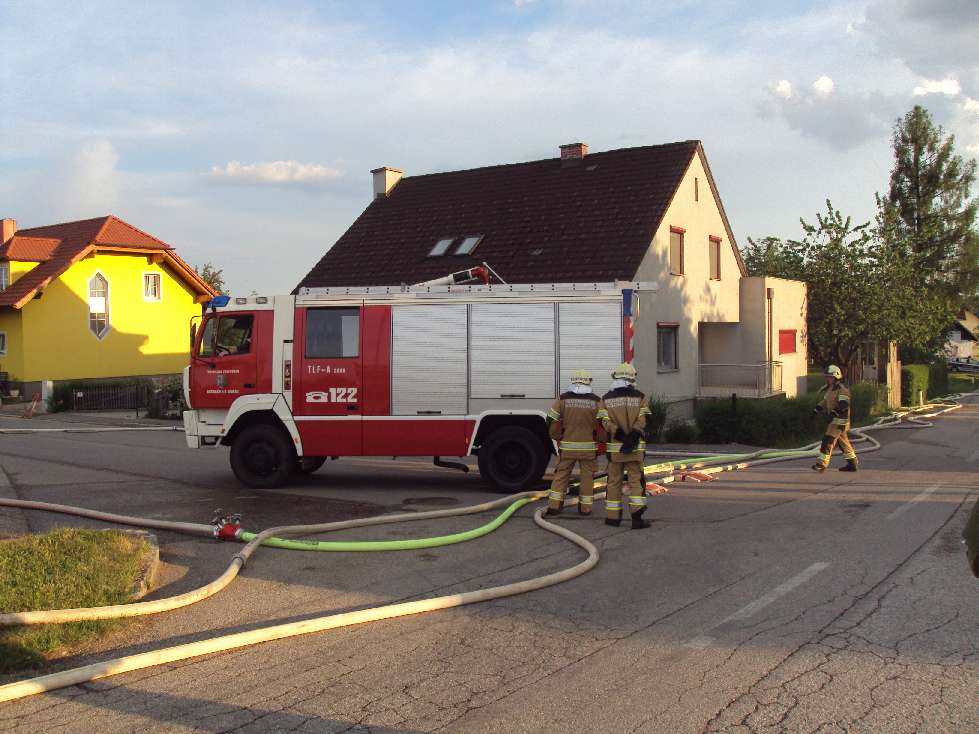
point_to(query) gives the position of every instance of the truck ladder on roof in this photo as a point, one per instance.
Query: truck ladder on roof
(495, 289)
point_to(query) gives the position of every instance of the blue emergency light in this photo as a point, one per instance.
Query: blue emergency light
(220, 301)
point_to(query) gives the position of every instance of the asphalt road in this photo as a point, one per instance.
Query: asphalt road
(774, 599)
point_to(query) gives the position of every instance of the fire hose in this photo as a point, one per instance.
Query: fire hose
(708, 465)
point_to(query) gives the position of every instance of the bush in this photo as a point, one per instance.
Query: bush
(656, 418)
(60, 398)
(867, 399)
(681, 432)
(778, 422)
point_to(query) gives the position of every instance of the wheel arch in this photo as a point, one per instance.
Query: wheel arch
(250, 410)
(490, 421)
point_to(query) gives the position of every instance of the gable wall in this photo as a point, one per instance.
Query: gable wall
(144, 337)
(688, 299)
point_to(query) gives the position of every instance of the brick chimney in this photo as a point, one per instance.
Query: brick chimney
(574, 151)
(8, 228)
(384, 180)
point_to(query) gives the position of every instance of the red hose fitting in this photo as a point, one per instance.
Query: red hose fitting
(227, 531)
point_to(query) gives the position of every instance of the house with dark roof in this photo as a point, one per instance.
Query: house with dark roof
(651, 214)
(963, 336)
(96, 298)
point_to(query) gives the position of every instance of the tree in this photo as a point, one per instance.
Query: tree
(928, 210)
(859, 287)
(212, 276)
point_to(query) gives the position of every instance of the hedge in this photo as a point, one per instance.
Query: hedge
(778, 422)
(656, 418)
(928, 380)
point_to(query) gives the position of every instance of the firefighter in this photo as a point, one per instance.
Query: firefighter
(573, 423)
(836, 403)
(624, 411)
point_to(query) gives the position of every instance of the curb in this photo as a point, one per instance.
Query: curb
(149, 564)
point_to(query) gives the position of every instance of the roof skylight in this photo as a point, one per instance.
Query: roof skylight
(441, 246)
(468, 245)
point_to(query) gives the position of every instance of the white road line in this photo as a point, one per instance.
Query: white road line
(910, 503)
(778, 592)
(749, 610)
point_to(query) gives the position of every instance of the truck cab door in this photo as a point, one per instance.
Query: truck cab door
(224, 364)
(328, 384)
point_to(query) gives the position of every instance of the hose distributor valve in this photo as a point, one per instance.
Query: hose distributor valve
(225, 527)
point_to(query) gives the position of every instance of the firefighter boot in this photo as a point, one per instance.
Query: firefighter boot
(851, 465)
(553, 511)
(637, 522)
(819, 466)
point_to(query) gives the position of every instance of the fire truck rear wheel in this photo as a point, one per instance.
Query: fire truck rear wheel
(512, 458)
(262, 457)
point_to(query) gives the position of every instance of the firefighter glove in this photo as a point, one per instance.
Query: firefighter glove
(619, 435)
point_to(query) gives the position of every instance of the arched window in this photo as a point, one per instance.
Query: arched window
(98, 305)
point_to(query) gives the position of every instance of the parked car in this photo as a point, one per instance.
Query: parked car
(963, 364)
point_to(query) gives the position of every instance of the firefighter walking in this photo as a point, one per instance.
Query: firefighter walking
(573, 423)
(836, 404)
(624, 410)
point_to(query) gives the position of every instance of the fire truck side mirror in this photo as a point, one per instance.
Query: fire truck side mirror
(193, 335)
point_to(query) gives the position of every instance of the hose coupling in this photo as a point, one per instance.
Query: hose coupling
(225, 527)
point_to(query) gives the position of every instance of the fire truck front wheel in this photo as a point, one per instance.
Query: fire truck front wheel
(512, 458)
(262, 457)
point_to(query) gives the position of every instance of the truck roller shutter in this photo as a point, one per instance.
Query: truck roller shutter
(428, 360)
(512, 350)
(591, 339)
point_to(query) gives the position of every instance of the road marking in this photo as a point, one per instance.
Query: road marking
(907, 505)
(749, 610)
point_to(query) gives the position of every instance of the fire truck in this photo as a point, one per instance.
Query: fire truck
(437, 369)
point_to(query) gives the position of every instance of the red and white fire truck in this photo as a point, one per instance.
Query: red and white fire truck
(428, 370)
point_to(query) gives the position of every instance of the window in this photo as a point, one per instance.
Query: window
(786, 341)
(226, 335)
(696, 189)
(468, 245)
(676, 251)
(441, 247)
(151, 286)
(666, 343)
(4, 275)
(714, 247)
(332, 332)
(3, 342)
(98, 305)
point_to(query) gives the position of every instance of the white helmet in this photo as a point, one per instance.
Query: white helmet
(581, 377)
(834, 371)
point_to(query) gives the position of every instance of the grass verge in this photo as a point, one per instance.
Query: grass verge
(962, 382)
(62, 569)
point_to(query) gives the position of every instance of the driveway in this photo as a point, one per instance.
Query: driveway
(772, 599)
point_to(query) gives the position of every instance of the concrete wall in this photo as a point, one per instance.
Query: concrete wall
(688, 299)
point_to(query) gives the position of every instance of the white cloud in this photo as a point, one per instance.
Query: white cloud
(971, 105)
(948, 87)
(92, 182)
(783, 88)
(276, 173)
(823, 86)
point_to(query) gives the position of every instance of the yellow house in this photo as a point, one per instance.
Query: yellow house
(96, 298)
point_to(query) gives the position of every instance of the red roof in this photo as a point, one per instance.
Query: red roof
(29, 249)
(57, 246)
(544, 221)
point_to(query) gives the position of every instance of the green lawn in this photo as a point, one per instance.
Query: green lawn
(960, 382)
(65, 568)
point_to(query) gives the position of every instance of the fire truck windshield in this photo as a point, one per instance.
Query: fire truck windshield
(225, 335)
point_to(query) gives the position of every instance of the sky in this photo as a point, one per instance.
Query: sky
(243, 133)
